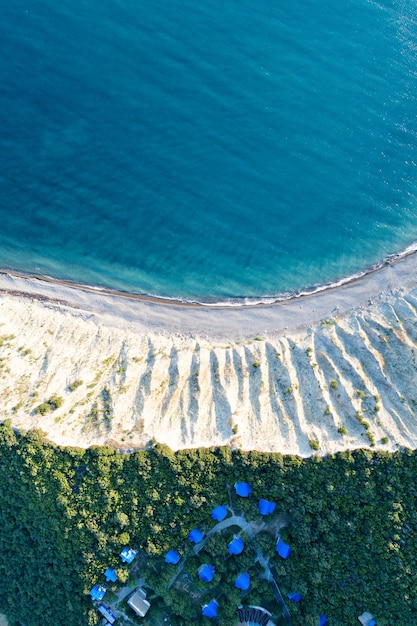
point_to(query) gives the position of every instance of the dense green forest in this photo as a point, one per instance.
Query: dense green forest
(66, 513)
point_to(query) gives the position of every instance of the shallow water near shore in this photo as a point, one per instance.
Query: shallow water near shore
(206, 152)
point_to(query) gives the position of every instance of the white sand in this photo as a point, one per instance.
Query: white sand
(3, 620)
(196, 376)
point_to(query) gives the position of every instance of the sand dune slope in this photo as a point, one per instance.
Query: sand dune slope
(340, 384)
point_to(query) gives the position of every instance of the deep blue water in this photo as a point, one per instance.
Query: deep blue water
(209, 149)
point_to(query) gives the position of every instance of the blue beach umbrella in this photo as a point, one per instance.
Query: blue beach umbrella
(242, 582)
(283, 549)
(97, 593)
(236, 546)
(128, 554)
(219, 513)
(243, 489)
(210, 609)
(295, 596)
(206, 573)
(110, 575)
(265, 507)
(172, 557)
(195, 535)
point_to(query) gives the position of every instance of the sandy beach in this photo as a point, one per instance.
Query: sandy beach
(325, 372)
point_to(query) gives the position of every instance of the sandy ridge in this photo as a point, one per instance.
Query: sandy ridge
(144, 376)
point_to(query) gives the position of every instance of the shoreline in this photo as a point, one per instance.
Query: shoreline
(324, 372)
(232, 302)
(142, 313)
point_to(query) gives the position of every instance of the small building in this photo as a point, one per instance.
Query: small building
(97, 593)
(255, 615)
(294, 596)
(206, 573)
(236, 546)
(105, 611)
(243, 489)
(172, 557)
(265, 507)
(322, 620)
(283, 549)
(127, 555)
(139, 603)
(110, 575)
(210, 609)
(366, 619)
(219, 513)
(242, 582)
(195, 535)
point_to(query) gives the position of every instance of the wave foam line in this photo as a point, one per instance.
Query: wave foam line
(236, 302)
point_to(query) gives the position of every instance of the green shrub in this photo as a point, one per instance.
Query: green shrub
(256, 364)
(384, 440)
(55, 402)
(327, 410)
(73, 386)
(314, 444)
(342, 430)
(334, 384)
(52, 404)
(5, 338)
(328, 323)
(371, 438)
(43, 408)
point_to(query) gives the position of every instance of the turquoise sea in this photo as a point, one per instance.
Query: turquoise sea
(207, 150)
